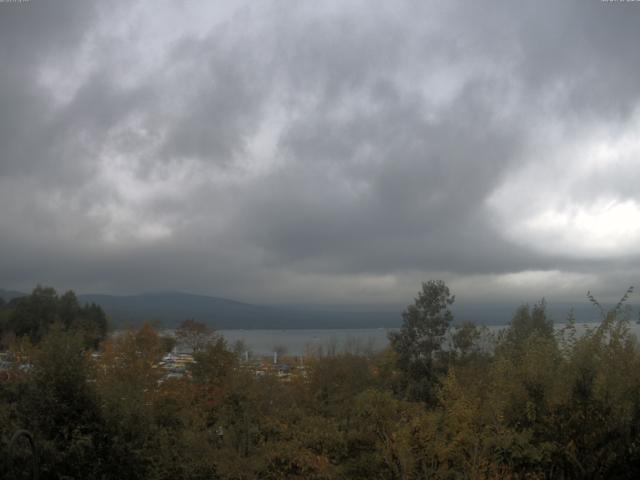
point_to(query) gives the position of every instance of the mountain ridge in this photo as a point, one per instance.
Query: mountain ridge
(169, 308)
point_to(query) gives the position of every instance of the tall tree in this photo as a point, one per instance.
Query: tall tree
(60, 406)
(418, 344)
(527, 322)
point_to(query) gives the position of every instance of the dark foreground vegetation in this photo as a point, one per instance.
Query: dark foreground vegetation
(441, 402)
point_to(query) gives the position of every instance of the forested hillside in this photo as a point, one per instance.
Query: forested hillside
(168, 309)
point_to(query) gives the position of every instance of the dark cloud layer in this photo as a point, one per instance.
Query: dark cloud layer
(334, 152)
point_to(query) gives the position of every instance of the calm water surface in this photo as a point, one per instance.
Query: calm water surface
(300, 342)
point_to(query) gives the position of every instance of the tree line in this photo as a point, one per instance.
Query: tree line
(32, 316)
(442, 401)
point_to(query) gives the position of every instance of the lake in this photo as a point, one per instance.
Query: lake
(357, 340)
(300, 342)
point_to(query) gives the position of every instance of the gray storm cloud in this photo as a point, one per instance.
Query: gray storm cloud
(339, 152)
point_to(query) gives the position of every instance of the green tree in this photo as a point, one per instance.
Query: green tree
(60, 406)
(418, 344)
(528, 321)
(68, 308)
(35, 313)
(465, 340)
(92, 322)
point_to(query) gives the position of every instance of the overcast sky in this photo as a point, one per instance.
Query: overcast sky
(325, 152)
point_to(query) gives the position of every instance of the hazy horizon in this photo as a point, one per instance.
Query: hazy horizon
(334, 153)
(168, 309)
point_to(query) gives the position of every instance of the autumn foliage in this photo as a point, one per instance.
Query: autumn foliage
(443, 401)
